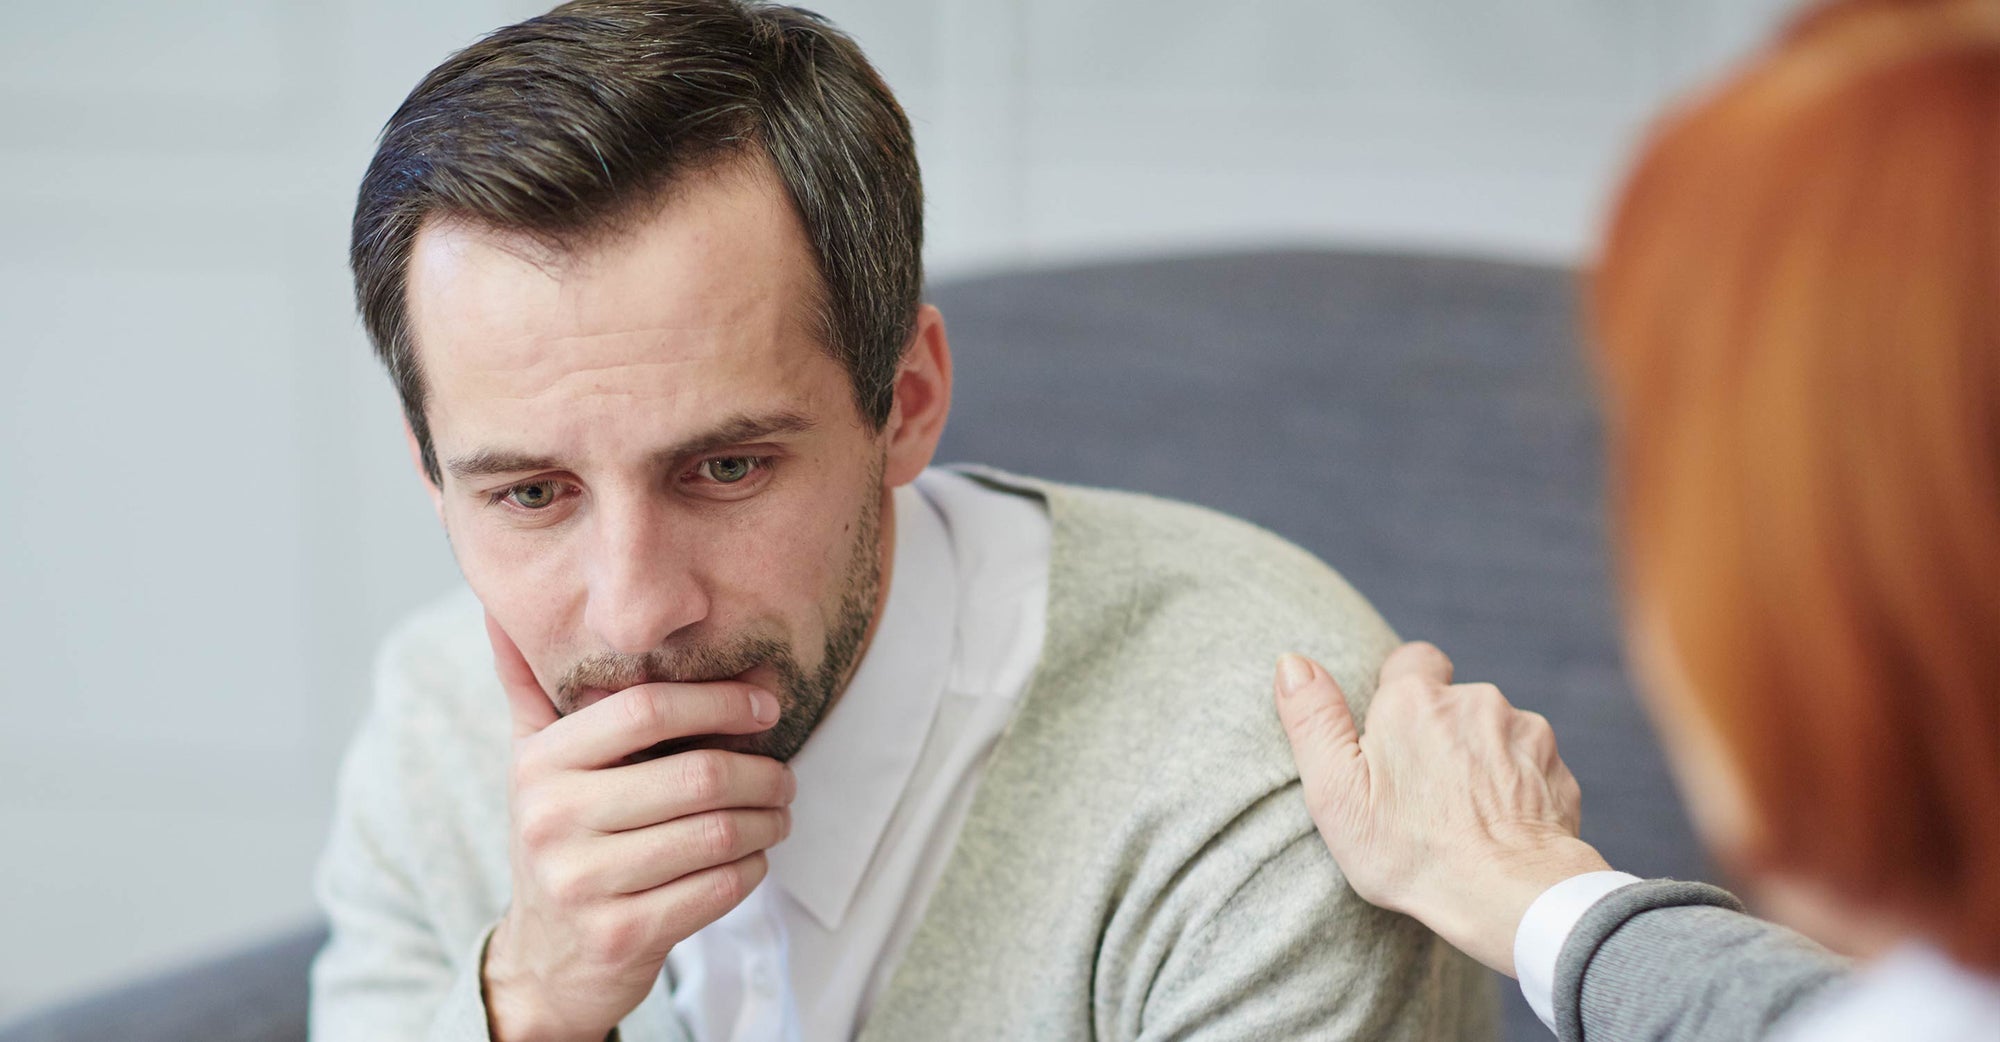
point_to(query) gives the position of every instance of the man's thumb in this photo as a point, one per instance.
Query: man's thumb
(1325, 741)
(526, 701)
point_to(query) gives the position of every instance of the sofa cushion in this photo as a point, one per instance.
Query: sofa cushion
(257, 994)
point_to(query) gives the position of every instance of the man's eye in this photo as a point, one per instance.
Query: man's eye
(728, 470)
(533, 496)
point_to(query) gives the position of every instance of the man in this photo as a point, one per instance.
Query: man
(752, 725)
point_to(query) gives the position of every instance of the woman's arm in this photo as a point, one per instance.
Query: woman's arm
(1455, 808)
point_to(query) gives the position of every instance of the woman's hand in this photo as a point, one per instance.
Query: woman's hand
(1453, 808)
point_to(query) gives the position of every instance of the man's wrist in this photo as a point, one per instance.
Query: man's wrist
(514, 1010)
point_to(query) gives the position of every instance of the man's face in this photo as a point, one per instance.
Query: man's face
(653, 471)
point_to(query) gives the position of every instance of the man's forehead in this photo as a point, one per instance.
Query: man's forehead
(717, 267)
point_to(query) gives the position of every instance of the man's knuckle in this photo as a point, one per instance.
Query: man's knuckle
(541, 822)
(642, 713)
(568, 886)
(726, 703)
(613, 939)
(726, 887)
(720, 834)
(703, 775)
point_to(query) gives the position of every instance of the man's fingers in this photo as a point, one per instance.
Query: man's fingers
(638, 718)
(677, 909)
(638, 795)
(1418, 659)
(1325, 741)
(526, 701)
(645, 858)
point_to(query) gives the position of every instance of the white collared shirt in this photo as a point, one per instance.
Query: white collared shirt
(886, 779)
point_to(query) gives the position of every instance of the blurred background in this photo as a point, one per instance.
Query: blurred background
(217, 520)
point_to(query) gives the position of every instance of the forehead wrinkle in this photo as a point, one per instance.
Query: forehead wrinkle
(623, 377)
(767, 321)
(785, 353)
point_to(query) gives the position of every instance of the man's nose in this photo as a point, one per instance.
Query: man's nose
(643, 586)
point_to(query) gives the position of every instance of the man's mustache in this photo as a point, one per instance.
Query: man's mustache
(692, 664)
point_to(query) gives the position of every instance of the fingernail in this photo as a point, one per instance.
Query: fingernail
(791, 785)
(764, 707)
(1294, 672)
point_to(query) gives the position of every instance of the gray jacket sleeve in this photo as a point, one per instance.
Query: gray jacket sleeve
(1667, 961)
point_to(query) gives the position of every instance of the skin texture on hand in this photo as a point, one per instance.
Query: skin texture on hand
(614, 861)
(1452, 807)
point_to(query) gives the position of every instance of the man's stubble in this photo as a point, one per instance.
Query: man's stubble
(804, 696)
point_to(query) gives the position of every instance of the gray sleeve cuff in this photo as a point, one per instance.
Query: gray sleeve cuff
(1604, 919)
(462, 1017)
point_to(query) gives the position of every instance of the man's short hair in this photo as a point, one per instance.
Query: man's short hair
(566, 125)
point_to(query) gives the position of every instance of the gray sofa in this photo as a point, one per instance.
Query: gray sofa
(1423, 423)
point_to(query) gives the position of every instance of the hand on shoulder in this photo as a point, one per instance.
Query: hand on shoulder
(1452, 807)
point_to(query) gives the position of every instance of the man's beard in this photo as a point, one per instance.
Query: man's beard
(803, 697)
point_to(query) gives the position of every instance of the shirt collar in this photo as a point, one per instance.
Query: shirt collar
(854, 768)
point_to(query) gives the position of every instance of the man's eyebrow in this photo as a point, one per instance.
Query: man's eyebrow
(488, 462)
(733, 431)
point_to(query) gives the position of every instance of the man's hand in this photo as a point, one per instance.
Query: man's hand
(1454, 808)
(614, 863)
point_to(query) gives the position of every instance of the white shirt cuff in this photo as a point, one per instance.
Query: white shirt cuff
(1545, 928)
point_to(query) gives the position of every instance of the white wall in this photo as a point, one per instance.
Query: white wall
(207, 520)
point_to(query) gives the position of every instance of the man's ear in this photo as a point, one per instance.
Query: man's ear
(923, 400)
(417, 461)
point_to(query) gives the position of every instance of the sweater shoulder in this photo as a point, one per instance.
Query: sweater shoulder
(437, 655)
(1166, 621)
(1161, 542)
(437, 702)
(1228, 594)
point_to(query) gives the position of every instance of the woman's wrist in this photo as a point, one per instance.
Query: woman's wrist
(1477, 907)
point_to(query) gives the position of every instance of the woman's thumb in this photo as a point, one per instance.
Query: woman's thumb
(1325, 741)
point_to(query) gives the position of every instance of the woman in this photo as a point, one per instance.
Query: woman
(1797, 319)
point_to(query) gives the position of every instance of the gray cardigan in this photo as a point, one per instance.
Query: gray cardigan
(1666, 961)
(1137, 864)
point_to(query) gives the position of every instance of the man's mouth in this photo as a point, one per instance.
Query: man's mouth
(589, 695)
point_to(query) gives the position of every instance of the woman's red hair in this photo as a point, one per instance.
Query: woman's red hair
(1798, 315)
